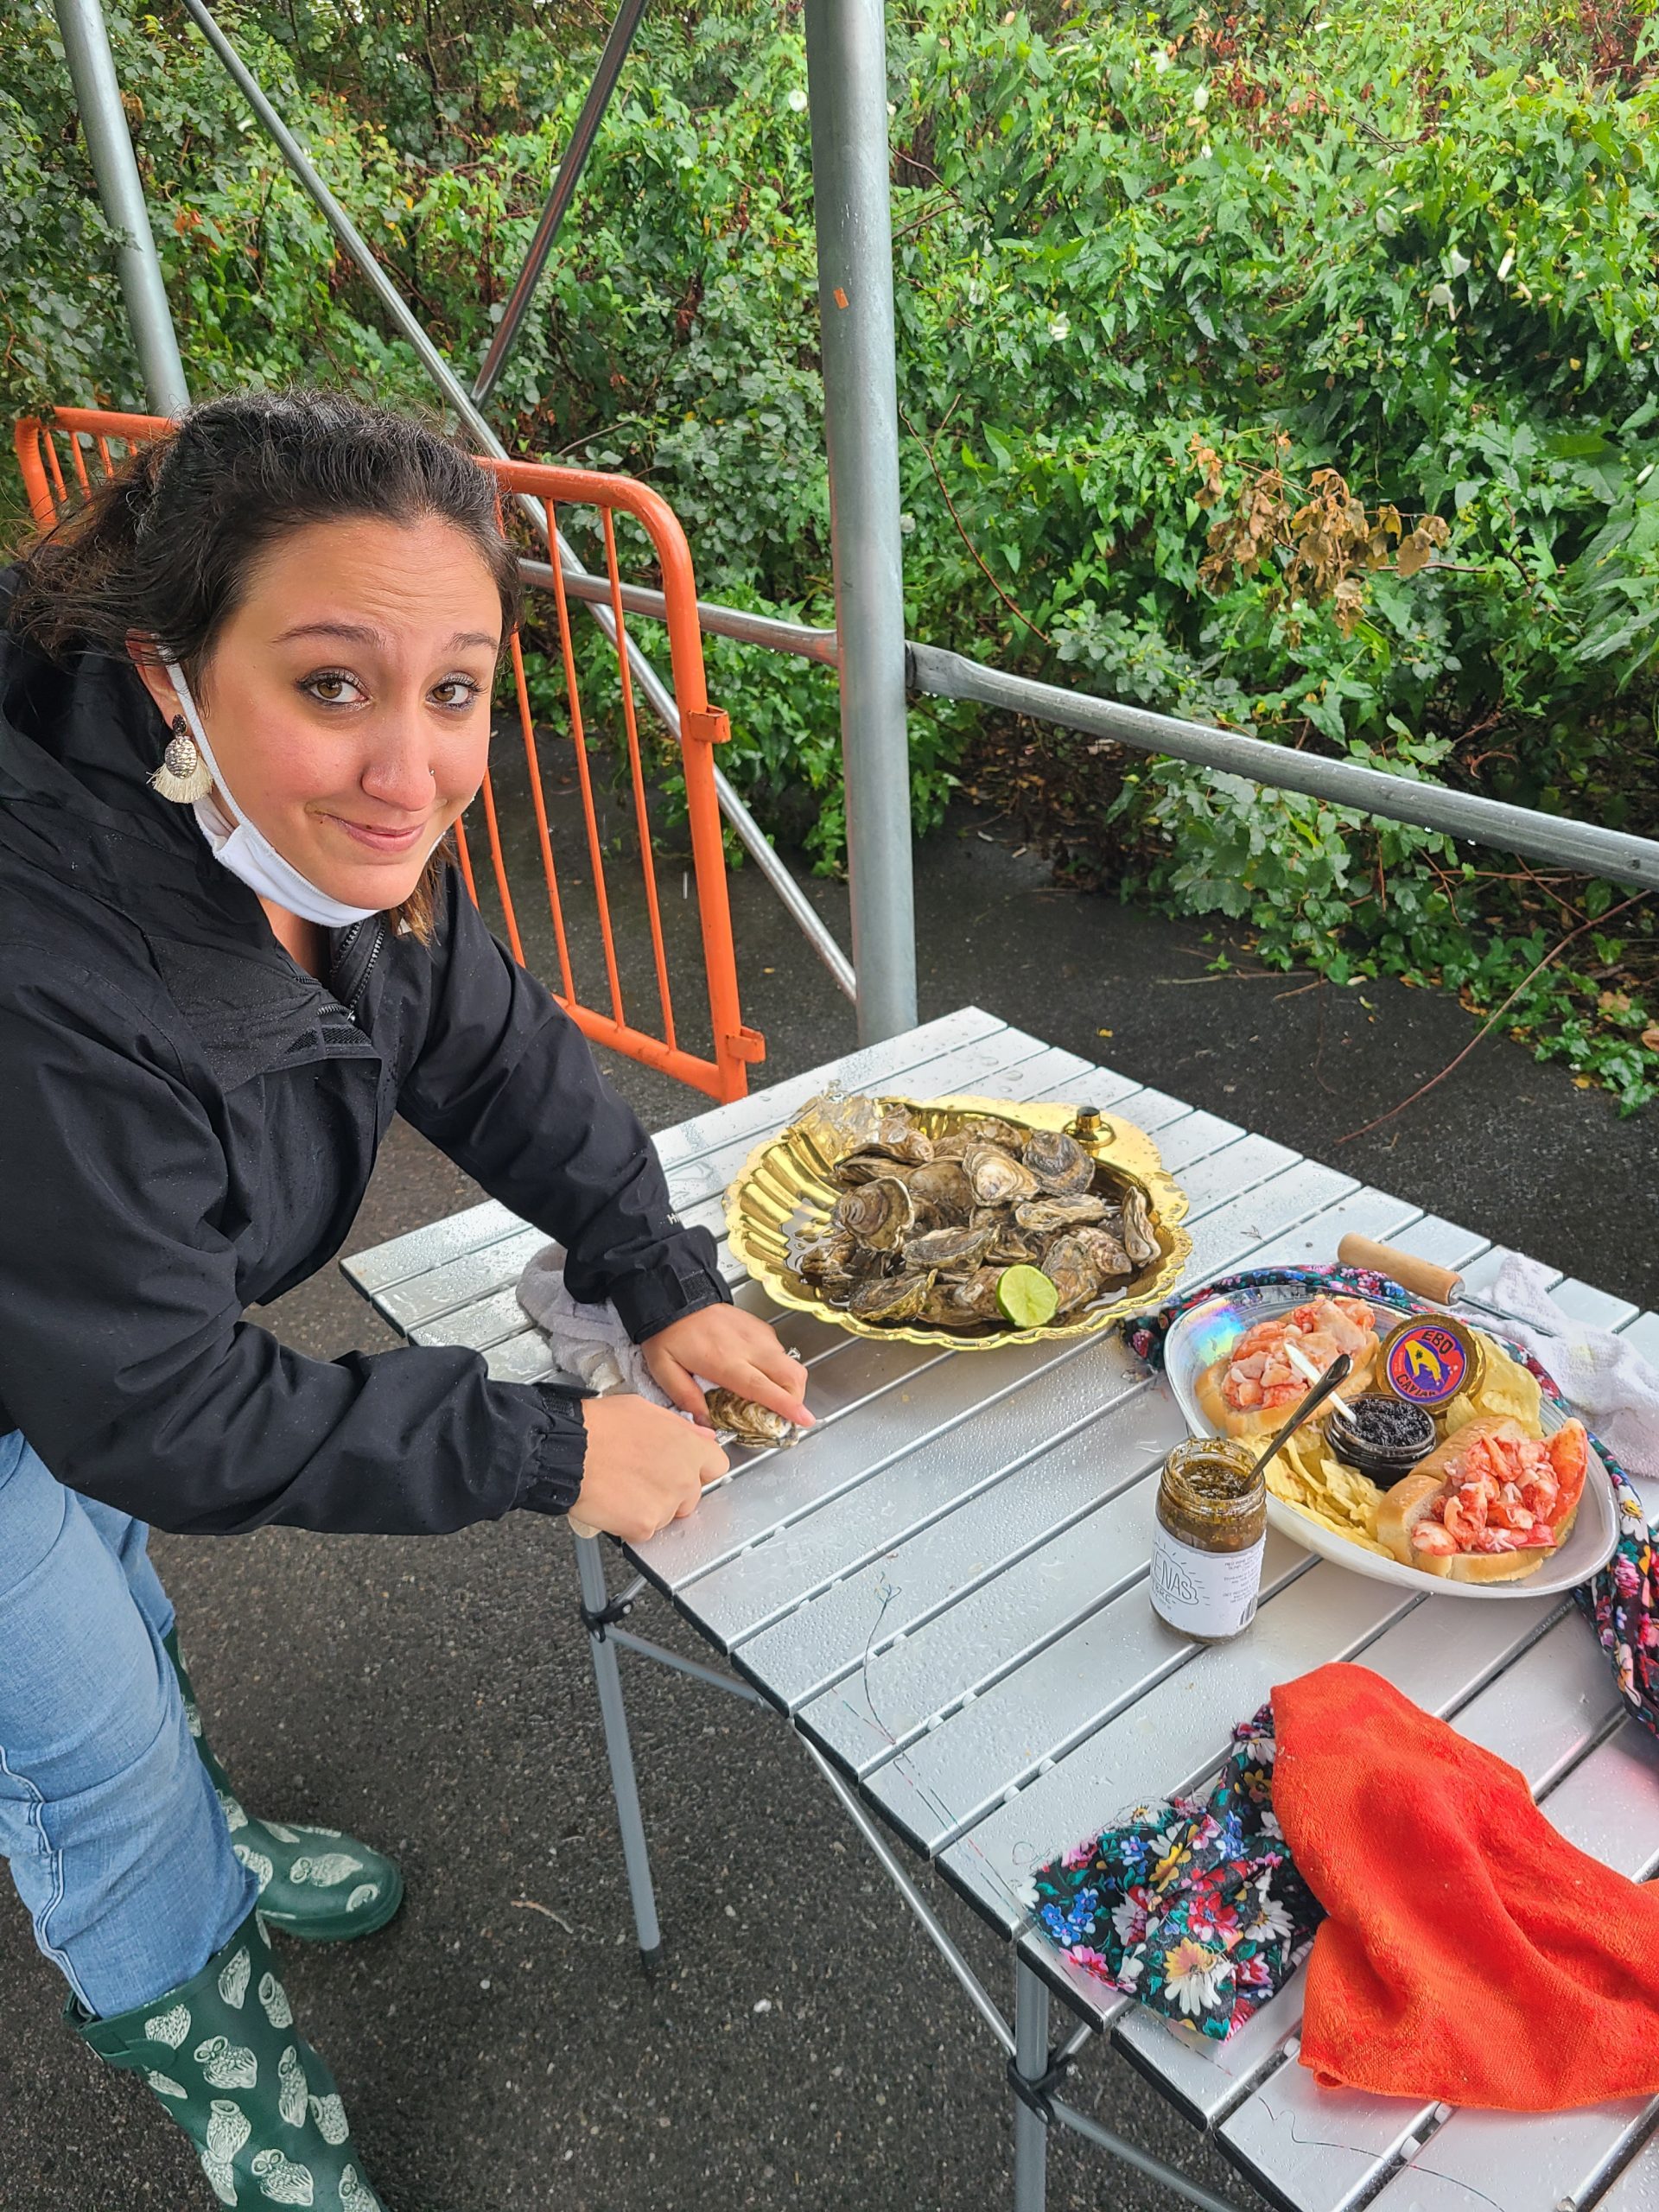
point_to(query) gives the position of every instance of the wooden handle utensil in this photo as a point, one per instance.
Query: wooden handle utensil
(1420, 1276)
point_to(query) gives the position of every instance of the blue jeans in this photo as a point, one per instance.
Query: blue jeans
(116, 1839)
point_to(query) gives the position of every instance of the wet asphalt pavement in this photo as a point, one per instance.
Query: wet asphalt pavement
(498, 2048)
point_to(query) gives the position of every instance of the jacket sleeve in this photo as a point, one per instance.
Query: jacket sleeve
(124, 1355)
(504, 1083)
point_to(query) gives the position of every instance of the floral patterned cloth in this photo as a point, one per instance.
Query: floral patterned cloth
(1193, 1907)
(1621, 1603)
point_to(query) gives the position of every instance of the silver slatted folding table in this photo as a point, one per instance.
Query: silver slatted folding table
(941, 1589)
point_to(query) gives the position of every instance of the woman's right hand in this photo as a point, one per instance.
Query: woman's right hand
(645, 1467)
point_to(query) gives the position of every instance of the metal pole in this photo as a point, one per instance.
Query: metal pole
(1142, 2161)
(847, 78)
(636, 1853)
(1031, 2063)
(97, 95)
(938, 1933)
(566, 179)
(711, 1675)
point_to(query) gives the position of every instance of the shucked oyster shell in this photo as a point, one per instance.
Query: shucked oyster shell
(973, 1297)
(899, 1139)
(1014, 1247)
(1058, 1162)
(876, 1215)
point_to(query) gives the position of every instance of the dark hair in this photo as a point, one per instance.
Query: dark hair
(165, 547)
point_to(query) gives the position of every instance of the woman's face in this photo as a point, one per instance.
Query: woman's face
(347, 699)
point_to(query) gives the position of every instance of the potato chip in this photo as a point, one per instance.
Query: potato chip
(1305, 1475)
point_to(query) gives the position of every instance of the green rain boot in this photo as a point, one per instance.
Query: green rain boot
(313, 1881)
(222, 2054)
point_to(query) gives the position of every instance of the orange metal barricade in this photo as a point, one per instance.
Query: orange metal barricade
(94, 438)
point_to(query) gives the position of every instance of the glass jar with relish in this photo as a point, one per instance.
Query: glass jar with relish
(1211, 1533)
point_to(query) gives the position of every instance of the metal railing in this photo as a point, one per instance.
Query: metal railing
(932, 671)
(84, 439)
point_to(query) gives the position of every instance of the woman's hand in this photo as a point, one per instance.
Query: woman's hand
(645, 1467)
(736, 1353)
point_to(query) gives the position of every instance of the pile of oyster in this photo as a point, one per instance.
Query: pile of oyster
(924, 1226)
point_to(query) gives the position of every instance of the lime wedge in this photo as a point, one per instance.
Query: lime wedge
(1026, 1296)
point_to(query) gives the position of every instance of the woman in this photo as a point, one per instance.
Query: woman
(243, 697)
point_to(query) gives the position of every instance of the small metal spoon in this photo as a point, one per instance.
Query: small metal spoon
(1334, 1375)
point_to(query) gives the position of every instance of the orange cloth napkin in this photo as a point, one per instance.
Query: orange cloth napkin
(1471, 1956)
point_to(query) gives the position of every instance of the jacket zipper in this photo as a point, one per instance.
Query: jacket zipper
(375, 942)
(368, 967)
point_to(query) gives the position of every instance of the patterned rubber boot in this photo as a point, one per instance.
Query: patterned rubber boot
(222, 2054)
(313, 1881)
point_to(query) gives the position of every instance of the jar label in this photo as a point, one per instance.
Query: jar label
(1205, 1593)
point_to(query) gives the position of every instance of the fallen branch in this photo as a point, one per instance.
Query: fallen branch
(1594, 922)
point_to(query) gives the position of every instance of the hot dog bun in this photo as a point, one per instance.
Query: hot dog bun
(1261, 1420)
(1409, 1502)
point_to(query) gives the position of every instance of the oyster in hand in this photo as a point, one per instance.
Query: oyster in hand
(755, 1426)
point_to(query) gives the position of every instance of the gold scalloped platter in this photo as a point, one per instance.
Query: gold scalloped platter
(783, 1195)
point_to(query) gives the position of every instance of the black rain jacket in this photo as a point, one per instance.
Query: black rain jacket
(188, 1121)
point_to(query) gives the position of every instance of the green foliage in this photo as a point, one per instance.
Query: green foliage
(1156, 267)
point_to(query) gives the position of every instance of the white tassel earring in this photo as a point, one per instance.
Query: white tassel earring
(183, 776)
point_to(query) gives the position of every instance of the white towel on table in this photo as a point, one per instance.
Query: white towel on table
(586, 1341)
(1599, 1375)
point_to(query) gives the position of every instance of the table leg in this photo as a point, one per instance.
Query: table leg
(1031, 2063)
(636, 1855)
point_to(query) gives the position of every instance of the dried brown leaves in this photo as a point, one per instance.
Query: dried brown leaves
(1332, 540)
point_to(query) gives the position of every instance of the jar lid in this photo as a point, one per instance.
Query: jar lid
(1428, 1359)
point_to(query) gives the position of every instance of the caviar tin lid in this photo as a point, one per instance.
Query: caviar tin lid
(1428, 1359)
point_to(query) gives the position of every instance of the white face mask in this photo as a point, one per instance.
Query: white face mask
(247, 852)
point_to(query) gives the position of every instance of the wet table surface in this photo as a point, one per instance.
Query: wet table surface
(941, 1587)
